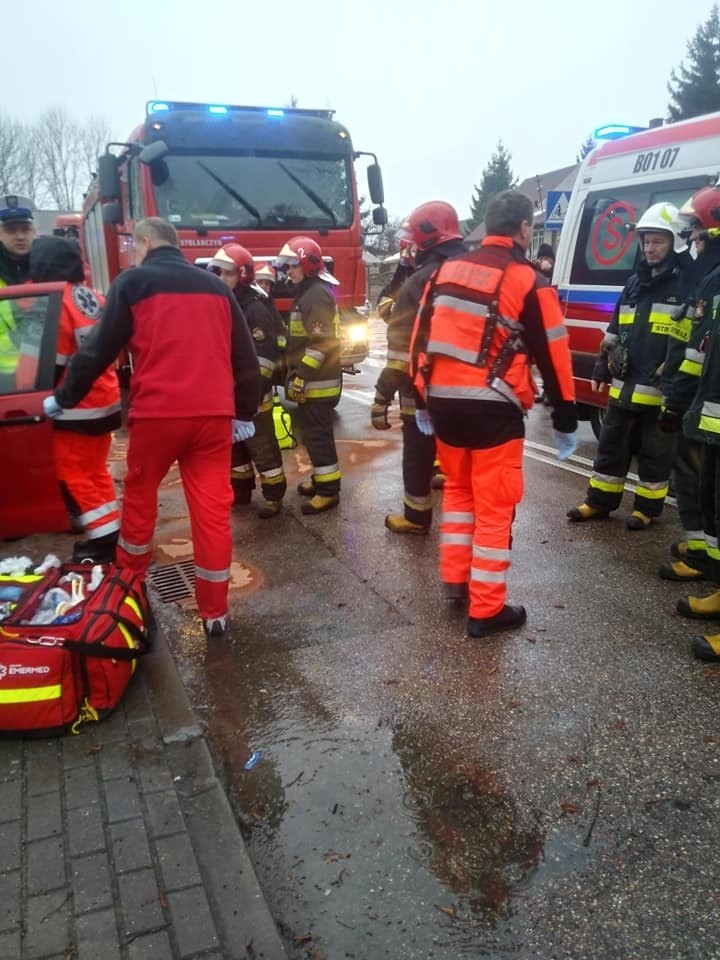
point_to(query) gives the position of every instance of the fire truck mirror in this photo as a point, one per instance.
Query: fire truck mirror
(379, 216)
(153, 152)
(112, 212)
(108, 177)
(375, 183)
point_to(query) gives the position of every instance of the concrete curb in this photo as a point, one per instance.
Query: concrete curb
(244, 922)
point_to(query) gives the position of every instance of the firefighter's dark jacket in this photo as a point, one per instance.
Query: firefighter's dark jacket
(13, 270)
(699, 311)
(395, 376)
(313, 347)
(192, 352)
(649, 323)
(262, 320)
(702, 421)
(524, 297)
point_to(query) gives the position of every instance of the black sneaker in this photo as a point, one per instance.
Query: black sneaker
(215, 626)
(456, 594)
(99, 550)
(507, 619)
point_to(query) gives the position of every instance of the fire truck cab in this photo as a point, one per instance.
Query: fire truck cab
(251, 175)
(597, 251)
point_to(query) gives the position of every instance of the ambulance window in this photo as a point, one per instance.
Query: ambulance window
(606, 248)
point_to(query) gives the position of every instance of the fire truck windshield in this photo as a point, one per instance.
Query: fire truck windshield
(263, 191)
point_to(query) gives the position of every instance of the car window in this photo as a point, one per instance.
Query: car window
(607, 250)
(28, 333)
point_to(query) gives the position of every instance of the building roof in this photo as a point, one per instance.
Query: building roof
(561, 179)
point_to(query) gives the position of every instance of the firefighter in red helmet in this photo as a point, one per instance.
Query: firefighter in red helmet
(433, 234)
(236, 269)
(314, 375)
(486, 316)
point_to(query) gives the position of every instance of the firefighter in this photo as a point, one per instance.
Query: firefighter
(314, 376)
(186, 388)
(82, 436)
(433, 232)
(690, 552)
(236, 268)
(701, 423)
(486, 316)
(634, 360)
(405, 267)
(17, 231)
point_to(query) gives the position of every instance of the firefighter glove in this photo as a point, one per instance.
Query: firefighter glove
(669, 421)
(242, 430)
(295, 389)
(385, 308)
(565, 443)
(51, 407)
(424, 423)
(379, 413)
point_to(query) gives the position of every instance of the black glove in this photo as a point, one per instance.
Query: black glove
(379, 412)
(564, 417)
(669, 421)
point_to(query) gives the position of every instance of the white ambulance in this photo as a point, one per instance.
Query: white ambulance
(598, 249)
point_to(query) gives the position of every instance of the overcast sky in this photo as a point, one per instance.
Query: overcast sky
(429, 86)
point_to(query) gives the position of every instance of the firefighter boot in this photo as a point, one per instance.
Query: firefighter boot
(270, 509)
(679, 570)
(215, 626)
(306, 488)
(586, 512)
(707, 648)
(679, 549)
(637, 521)
(507, 619)
(700, 608)
(99, 550)
(319, 504)
(398, 524)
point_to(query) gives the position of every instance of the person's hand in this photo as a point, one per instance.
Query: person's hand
(424, 423)
(669, 421)
(565, 443)
(295, 389)
(51, 407)
(597, 386)
(379, 413)
(242, 430)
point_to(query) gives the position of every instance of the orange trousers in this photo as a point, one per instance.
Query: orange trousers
(482, 489)
(85, 481)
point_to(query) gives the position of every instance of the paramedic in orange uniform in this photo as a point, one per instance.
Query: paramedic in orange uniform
(486, 316)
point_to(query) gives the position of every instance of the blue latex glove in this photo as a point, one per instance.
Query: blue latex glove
(565, 443)
(242, 430)
(424, 423)
(51, 407)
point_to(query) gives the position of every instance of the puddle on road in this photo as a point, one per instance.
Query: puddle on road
(375, 841)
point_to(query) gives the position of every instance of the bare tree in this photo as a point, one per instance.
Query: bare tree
(11, 155)
(93, 137)
(58, 147)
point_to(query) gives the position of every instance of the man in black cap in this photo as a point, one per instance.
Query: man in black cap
(17, 232)
(545, 260)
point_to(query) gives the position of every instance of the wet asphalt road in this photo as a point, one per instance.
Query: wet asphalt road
(548, 793)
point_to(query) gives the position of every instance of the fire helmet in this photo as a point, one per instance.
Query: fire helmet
(663, 216)
(430, 224)
(704, 207)
(265, 271)
(305, 253)
(408, 252)
(234, 257)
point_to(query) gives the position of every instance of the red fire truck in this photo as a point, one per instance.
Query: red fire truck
(253, 175)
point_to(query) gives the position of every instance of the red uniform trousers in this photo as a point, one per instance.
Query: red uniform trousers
(482, 489)
(201, 446)
(85, 481)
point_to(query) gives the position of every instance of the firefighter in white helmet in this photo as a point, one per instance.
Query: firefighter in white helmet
(637, 363)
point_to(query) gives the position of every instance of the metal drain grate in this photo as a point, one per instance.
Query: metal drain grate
(173, 581)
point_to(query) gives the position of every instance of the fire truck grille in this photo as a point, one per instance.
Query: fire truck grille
(173, 581)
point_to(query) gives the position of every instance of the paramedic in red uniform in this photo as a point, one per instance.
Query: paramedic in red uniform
(81, 436)
(485, 317)
(194, 389)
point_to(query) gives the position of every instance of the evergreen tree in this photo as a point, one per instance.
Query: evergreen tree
(695, 88)
(585, 147)
(496, 177)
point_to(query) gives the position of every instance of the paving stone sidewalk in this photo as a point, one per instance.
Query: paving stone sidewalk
(120, 842)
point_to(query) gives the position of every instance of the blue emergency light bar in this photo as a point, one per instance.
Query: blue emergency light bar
(614, 131)
(218, 109)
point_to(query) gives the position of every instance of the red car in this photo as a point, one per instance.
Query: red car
(30, 500)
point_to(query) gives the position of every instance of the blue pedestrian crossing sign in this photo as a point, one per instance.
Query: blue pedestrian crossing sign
(556, 208)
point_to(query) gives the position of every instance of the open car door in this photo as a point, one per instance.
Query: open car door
(30, 500)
